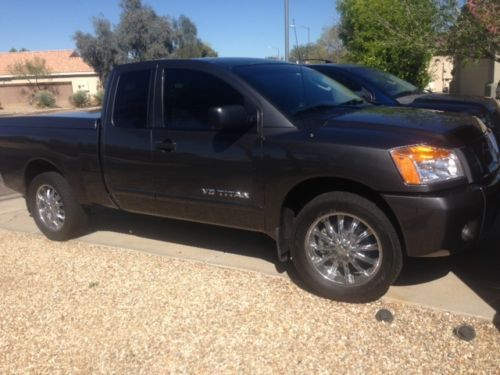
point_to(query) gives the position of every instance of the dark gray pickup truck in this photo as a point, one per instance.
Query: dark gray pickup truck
(344, 187)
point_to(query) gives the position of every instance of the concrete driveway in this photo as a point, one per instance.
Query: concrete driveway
(467, 284)
(5, 193)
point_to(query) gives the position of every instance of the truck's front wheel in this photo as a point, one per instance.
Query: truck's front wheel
(54, 207)
(345, 248)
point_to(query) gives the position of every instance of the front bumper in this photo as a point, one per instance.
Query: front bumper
(451, 220)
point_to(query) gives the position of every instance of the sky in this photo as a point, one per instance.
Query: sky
(253, 28)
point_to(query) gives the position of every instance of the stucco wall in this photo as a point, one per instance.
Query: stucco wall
(476, 78)
(86, 82)
(91, 84)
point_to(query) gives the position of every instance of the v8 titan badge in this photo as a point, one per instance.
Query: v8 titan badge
(225, 193)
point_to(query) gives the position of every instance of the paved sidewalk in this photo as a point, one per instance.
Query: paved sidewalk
(468, 284)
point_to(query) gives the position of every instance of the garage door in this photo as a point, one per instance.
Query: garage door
(21, 94)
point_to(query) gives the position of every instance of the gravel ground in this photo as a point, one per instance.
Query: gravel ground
(77, 308)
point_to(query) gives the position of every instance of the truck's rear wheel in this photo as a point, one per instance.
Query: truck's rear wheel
(345, 248)
(54, 207)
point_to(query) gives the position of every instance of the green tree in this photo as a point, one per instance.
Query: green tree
(32, 71)
(141, 34)
(476, 33)
(100, 50)
(397, 36)
(186, 42)
(328, 47)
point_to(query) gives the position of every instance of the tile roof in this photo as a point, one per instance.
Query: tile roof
(63, 61)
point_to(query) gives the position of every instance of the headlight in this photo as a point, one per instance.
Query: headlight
(425, 165)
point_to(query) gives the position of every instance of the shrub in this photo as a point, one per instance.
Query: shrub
(99, 97)
(80, 99)
(44, 99)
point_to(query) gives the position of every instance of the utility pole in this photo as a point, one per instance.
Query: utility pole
(287, 30)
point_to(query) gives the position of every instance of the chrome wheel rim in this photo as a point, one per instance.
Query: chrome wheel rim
(343, 249)
(50, 207)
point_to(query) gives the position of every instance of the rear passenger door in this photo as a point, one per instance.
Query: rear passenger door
(126, 139)
(205, 174)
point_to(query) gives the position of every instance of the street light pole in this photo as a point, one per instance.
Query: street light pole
(287, 30)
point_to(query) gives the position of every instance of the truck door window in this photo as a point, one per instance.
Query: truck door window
(131, 102)
(189, 94)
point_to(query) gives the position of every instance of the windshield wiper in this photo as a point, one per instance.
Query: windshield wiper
(316, 107)
(320, 107)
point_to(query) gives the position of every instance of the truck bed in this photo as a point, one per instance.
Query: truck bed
(68, 140)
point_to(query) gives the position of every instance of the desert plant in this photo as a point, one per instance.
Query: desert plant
(80, 99)
(44, 99)
(98, 98)
(32, 71)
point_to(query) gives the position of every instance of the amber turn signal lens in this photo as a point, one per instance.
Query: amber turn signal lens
(422, 164)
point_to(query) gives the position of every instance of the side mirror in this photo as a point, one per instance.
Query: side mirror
(228, 117)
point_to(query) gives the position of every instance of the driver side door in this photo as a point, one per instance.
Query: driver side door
(205, 174)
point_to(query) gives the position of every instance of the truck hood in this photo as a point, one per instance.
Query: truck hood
(444, 101)
(417, 125)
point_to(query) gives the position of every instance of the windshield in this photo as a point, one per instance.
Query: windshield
(392, 85)
(294, 88)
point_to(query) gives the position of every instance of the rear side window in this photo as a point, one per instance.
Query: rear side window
(189, 94)
(131, 102)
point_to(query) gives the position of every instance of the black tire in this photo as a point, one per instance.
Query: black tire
(75, 220)
(391, 259)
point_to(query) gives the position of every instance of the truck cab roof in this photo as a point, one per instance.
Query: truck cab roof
(228, 62)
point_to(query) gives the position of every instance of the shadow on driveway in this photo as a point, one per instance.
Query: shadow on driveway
(478, 268)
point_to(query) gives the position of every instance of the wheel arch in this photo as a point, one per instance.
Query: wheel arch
(305, 191)
(36, 167)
